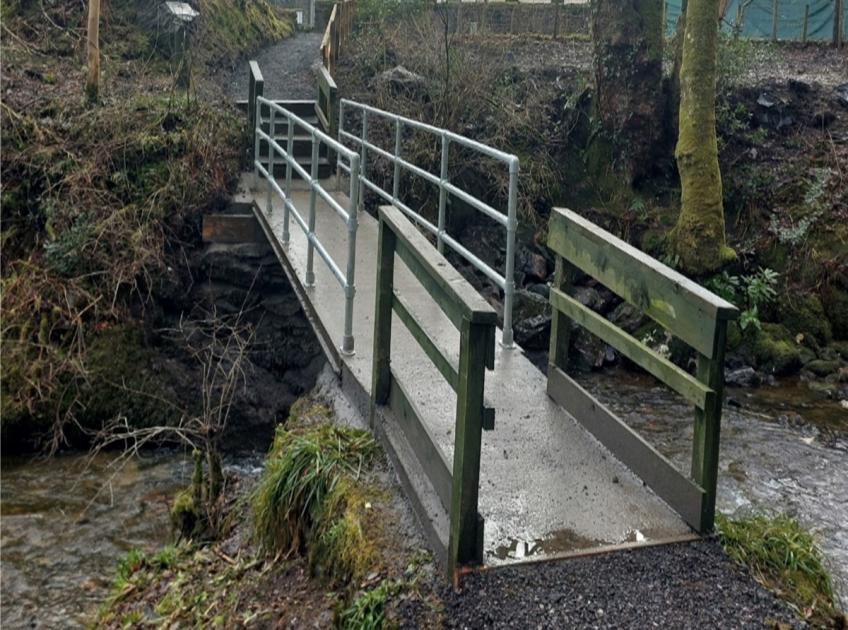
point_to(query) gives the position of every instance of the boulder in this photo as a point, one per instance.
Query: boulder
(399, 79)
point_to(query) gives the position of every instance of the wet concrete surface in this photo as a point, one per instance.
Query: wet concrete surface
(547, 486)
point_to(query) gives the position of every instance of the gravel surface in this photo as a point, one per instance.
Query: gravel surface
(692, 585)
(288, 67)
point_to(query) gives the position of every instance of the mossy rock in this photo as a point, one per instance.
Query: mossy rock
(835, 306)
(805, 314)
(774, 349)
(124, 379)
(823, 368)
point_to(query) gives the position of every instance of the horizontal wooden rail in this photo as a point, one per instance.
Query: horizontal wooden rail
(457, 485)
(682, 307)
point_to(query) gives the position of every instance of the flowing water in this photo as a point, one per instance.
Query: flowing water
(67, 521)
(65, 524)
(782, 449)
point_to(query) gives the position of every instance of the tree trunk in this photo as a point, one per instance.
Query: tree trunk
(92, 84)
(628, 43)
(698, 238)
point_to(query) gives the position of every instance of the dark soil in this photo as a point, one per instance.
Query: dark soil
(674, 586)
(288, 68)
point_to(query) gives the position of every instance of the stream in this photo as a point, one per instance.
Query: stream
(67, 521)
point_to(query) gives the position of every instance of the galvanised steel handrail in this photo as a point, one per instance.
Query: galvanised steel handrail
(506, 282)
(346, 278)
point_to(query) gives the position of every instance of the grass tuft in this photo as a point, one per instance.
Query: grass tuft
(782, 556)
(368, 611)
(303, 469)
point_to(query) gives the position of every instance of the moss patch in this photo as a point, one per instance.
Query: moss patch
(804, 314)
(774, 349)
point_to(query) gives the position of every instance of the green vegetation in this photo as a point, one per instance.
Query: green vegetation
(309, 497)
(784, 557)
(99, 204)
(749, 292)
(367, 612)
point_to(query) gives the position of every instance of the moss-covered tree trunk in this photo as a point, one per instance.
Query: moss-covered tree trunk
(92, 83)
(698, 238)
(628, 43)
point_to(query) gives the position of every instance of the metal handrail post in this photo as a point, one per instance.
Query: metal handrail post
(396, 175)
(363, 157)
(338, 154)
(256, 128)
(310, 248)
(269, 205)
(443, 194)
(350, 282)
(509, 271)
(289, 168)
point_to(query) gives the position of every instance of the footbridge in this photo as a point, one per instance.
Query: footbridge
(501, 461)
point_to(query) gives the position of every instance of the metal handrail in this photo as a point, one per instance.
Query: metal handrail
(347, 278)
(506, 282)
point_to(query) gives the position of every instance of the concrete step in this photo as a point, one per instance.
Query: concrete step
(298, 108)
(281, 126)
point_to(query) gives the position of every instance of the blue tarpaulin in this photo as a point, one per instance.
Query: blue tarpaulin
(757, 19)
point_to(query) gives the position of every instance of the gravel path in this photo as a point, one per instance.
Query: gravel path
(288, 67)
(691, 585)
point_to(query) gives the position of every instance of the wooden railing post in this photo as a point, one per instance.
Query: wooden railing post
(560, 323)
(382, 373)
(707, 429)
(466, 528)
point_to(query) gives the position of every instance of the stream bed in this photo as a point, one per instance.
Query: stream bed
(67, 521)
(783, 449)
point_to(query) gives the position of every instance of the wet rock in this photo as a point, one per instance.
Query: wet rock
(532, 265)
(531, 320)
(822, 118)
(588, 297)
(627, 317)
(541, 289)
(799, 87)
(399, 79)
(743, 377)
(589, 352)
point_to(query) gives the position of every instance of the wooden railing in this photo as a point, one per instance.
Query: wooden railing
(457, 485)
(683, 308)
(337, 33)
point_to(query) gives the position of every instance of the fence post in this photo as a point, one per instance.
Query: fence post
(806, 24)
(289, 162)
(443, 194)
(707, 430)
(354, 191)
(838, 20)
(466, 526)
(269, 202)
(363, 157)
(774, 21)
(310, 247)
(560, 323)
(381, 376)
(396, 173)
(509, 267)
(255, 89)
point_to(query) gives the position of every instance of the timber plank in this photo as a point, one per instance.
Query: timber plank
(415, 328)
(435, 272)
(634, 452)
(680, 381)
(682, 306)
(429, 455)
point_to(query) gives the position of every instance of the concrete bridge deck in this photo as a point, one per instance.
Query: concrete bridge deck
(547, 486)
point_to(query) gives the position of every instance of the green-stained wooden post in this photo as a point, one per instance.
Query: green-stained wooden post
(705, 448)
(560, 323)
(381, 377)
(465, 546)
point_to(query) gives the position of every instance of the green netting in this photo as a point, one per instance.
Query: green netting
(757, 19)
